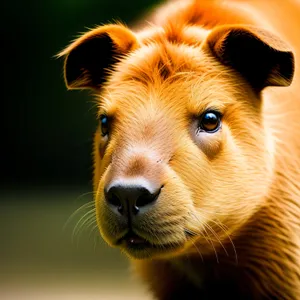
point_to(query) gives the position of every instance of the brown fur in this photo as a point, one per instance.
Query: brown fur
(236, 191)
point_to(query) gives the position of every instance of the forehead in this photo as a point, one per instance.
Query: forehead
(167, 76)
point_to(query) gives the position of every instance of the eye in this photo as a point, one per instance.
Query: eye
(210, 121)
(104, 125)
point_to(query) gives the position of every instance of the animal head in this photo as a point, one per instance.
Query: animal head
(182, 152)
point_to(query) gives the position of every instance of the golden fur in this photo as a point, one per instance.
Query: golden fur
(227, 221)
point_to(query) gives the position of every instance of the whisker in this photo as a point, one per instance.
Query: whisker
(91, 227)
(216, 236)
(85, 194)
(207, 238)
(210, 241)
(93, 230)
(223, 227)
(89, 221)
(82, 207)
(198, 251)
(78, 225)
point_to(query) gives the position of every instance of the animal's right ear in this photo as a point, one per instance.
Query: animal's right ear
(257, 54)
(89, 58)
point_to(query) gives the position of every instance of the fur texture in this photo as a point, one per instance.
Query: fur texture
(227, 221)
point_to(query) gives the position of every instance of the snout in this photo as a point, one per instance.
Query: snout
(131, 198)
(142, 206)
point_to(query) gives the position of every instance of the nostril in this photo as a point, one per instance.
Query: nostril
(147, 197)
(113, 199)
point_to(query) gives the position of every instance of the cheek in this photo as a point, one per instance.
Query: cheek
(239, 183)
(229, 184)
(194, 166)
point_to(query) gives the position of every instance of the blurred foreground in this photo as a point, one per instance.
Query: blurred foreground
(40, 259)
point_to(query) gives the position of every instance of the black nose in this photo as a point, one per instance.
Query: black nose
(130, 199)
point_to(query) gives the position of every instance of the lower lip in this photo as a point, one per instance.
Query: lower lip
(135, 242)
(141, 247)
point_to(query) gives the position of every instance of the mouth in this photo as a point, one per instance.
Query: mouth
(138, 247)
(133, 241)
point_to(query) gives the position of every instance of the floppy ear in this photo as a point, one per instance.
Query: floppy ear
(89, 59)
(262, 58)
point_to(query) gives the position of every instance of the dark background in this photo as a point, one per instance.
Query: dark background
(48, 130)
(47, 252)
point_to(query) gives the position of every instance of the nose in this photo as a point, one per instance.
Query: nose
(130, 199)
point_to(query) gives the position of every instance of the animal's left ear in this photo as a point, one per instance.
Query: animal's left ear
(89, 59)
(258, 55)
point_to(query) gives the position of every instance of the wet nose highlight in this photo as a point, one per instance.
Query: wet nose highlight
(133, 198)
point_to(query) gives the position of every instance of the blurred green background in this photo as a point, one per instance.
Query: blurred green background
(45, 158)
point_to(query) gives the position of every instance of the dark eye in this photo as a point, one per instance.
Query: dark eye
(104, 124)
(210, 121)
